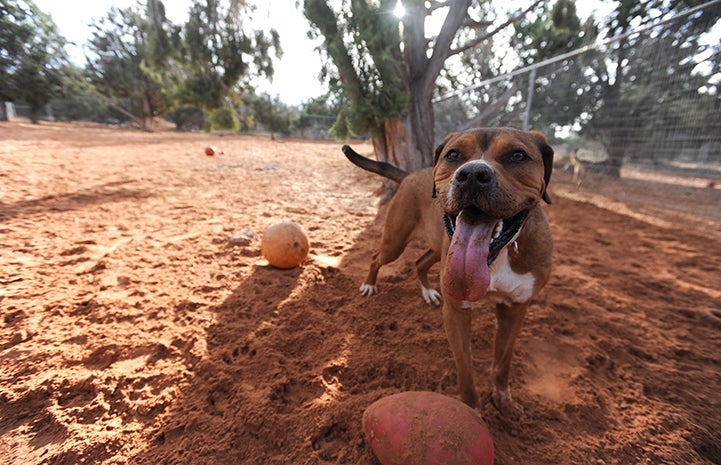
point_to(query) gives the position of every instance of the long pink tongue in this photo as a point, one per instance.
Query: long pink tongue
(467, 276)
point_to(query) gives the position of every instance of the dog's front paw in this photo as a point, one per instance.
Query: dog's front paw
(368, 289)
(505, 404)
(431, 296)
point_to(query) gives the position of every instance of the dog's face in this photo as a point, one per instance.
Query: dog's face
(498, 171)
(489, 179)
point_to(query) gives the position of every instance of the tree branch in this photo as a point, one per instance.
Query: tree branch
(513, 19)
(322, 17)
(414, 37)
(490, 110)
(382, 39)
(475, 24)
(457, 12)
(436, 5)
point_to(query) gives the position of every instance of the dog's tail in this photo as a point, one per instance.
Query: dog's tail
(379, 167)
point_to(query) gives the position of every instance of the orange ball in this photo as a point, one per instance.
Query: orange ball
(285, 244)
(210, 151)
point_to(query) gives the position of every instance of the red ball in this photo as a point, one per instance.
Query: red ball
(210, 151)
(426, 428)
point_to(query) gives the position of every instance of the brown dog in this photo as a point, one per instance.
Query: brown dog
(571, 161)
(488, 229)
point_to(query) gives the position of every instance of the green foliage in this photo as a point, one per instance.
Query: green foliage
(14, 33)
(625, 84)
(270, 113)
(370, 66)
(554, 31)
(342, 129)
(188, 118)
(32, 55)
(223, 119)
(160, 67)
(80, 100)
(131, 57)
(219, 52)
(317, 114)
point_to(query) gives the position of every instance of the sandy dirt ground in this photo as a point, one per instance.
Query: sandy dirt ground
(141, 325)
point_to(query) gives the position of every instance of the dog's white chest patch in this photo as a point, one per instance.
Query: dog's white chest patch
(506, 285)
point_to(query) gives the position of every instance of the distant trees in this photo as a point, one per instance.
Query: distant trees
(220, 53)
(493, 99)
(555, 31)
(131, 49)
(317, 114)
(309, 119)
(159, 67)
(198, 73)
(642, 96)
(32, 57)
(625, 84)
(383, 70)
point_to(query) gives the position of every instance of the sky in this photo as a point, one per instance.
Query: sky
(296, 73)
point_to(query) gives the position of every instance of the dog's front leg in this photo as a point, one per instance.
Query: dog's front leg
(457, 323)
(509, 319)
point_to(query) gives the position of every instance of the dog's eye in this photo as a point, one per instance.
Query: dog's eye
(452, 156)
(519, 156)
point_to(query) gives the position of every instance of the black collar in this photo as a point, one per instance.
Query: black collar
(450, 222)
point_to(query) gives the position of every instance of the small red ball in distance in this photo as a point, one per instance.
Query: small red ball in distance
(426, 428)
(210, 151)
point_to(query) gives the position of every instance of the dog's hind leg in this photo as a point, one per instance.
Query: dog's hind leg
(423, 264)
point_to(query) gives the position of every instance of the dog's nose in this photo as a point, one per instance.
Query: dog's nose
(471, 176)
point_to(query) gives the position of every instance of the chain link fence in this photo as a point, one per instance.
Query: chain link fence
(649, 98)
(89, 109)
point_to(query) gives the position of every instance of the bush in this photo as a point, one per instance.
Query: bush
(188, 118)
(223, 119)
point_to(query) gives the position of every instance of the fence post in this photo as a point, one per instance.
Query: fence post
(10, 112)
(529, 99)
(49, 112)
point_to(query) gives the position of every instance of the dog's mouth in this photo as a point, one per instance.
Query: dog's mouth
(476, 241)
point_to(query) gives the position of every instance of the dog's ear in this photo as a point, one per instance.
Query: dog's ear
(441, 146)
(547, 154)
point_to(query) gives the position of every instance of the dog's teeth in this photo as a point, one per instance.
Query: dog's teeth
(497, 231)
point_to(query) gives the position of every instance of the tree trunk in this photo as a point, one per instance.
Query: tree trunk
(422, 127)
(403, 66)
(147, 113)
(616, 153)
(617, 133)
(406, 142)
(34, 115)
(391, 145)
